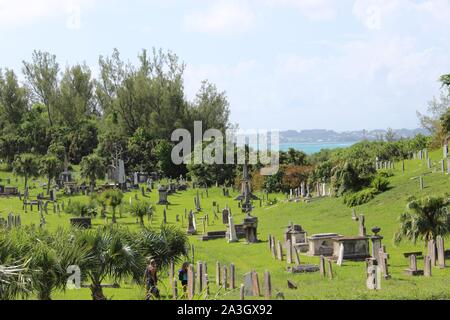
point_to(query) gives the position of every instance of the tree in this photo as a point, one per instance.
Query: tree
(51, 167)
(26, 165)
(425, 219)
(42, 77)
(141, 209)
(13, 98)
(92, 168)
(112, 255)
(113, 198)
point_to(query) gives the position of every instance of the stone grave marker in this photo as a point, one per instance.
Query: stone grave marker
(432, 251)
(440, 251)
(267, 286)
(255, 282)
(383, 257)
(322, 266)
(413, 270)
(427, 269)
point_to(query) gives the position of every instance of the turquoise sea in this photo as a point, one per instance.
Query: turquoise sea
(313, 147)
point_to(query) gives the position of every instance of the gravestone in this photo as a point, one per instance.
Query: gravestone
(225, 215)
(340, 259)
(191, 282)
(232, 276)
(289, 252)
(322, 266)
(413, 270)
(362, 226)
(248, 284)
(432, 251)
(218, 273)
(267, 285)
(165, 216)
(255, 282)
(383, 257)
(427, 269)
(440, 251)
(232, 231)
(163, 196)
(372, 277)
(421, 183)
(192, 228)
(279, 251)
(251, 229)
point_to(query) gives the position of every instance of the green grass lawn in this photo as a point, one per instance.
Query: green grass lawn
(320, 216)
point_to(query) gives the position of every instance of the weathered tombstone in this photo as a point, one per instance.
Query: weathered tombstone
(432, 251)
(296, 256)
(191, 282)
(440, 251)
(200, 276)
(242, 292)
(279, 251)
(267, 286)
(292, 285)
(322, 266)
(340, 260)
(330, 269)
(163, 196)
(192, 228)
(376, 243)
(289, 252)
(218, 274)
(255, 280)
(251, 229)
(232, 231)
(412, 270)
(383, 257)
(427, 269)
(421, 183)
(273, 248)
(372, 281)
(232, 276)
(225, 278)
(362, 227)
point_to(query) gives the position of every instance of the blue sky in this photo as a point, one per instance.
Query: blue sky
(285, 64)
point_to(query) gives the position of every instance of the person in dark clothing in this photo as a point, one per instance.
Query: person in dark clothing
(151, 281)
(183, 276)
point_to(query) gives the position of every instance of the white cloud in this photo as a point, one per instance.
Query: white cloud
(19, 13)
(224, 17)
(316, 10)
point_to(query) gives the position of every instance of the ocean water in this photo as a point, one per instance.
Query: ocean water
(314, 147)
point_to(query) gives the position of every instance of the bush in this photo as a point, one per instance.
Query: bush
(79, 209)
(380, 183)
(359, 198)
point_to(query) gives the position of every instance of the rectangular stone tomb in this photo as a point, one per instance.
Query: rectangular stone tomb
(322, 244)
(304, 268)
(213, 235)
(355, 248)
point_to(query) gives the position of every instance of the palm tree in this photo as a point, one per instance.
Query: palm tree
(14, 281)
(112, 255)
(112, 198)
(92, 168)
(26, 165)
(425, 219)
(51, 167)
(142, 209)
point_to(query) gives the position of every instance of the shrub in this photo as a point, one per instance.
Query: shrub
(359, 198)
(380, 183)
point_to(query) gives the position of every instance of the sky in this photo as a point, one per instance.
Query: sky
(284, 64)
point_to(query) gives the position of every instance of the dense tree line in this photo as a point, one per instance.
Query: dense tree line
(129, 111)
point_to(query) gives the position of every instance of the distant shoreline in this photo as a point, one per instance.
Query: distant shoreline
(314, 147)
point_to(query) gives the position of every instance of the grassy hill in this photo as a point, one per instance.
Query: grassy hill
(320, 216)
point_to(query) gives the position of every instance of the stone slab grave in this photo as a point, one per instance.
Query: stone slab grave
(322, 244)
(304, 268)
(214, 235)
(355, 248)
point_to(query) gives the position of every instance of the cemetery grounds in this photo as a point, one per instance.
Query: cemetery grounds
(323, 215)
